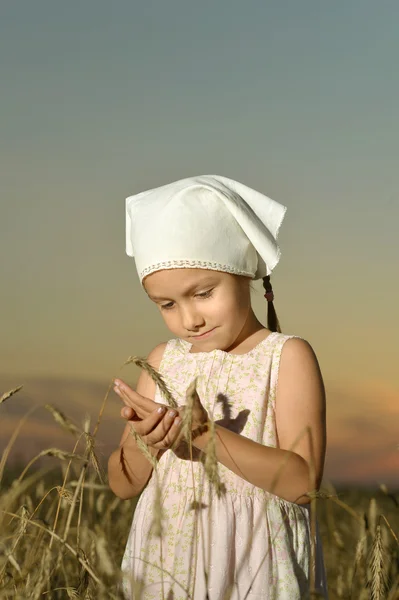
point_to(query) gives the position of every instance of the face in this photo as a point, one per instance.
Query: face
(195, 301)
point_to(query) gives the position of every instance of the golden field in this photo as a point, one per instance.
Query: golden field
(63, 532)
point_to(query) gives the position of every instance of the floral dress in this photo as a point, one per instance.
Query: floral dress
(241, 543)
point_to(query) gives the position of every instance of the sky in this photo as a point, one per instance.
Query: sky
(296, 99)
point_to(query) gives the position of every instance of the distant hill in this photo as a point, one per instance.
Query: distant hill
(75, 398)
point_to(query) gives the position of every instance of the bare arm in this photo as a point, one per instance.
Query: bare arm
(128, 469)
(300, 403)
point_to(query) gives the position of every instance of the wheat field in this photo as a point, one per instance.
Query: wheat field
(63, 532)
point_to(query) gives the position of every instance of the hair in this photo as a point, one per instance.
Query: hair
(272, 319)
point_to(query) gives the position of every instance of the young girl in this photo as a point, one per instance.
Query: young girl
(259, 396)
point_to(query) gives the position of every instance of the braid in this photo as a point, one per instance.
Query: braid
(272, 319)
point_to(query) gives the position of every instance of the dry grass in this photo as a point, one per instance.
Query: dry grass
(63, 532)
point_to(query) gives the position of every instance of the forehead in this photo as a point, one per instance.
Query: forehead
(167, 282)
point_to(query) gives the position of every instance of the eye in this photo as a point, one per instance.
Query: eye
(203, 295)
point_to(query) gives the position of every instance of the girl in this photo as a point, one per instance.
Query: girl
(229, 519)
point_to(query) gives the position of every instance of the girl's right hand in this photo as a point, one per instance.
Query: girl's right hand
(160, 429)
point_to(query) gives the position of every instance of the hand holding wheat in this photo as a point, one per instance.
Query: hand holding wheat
(159, 427)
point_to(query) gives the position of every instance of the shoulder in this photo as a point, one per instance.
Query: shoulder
(298, 358)
(300, 380)
(154, 358)
(296, 349)
(145, 384)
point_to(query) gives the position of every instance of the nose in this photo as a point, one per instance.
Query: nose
(191, 320)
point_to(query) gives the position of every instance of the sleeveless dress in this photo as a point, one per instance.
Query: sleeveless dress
(242, 544)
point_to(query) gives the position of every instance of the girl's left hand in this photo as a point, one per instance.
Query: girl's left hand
(142, 406)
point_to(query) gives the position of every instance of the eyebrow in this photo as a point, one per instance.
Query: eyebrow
(206, 281)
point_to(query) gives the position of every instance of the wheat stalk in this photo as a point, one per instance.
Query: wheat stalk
(42, 574)
(8, 395)
(377, 582)
(155, 376)
(64, 494)
(61, 454)
(71, 592)
(93, 457)
(142, 446)
(63, 420)
(372, 515)
(104, 560)
(360, 551)
(211, 463)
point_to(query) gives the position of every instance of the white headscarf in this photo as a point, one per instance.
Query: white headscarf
(204, 222)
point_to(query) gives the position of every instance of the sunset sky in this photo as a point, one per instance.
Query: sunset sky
(299, 100)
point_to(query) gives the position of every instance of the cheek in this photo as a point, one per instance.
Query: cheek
(234, 313)
(171, 320)
(223, 310)
(166, 316)
(228, 307)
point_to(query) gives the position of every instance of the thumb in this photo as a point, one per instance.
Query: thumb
(127, 412)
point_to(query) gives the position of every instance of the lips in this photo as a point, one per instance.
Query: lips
(203, 334)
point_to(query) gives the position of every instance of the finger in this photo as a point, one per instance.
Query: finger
(149, 422)
(127, 412)
(133, 398)
(128, 402)
(162, 428)
(175, 434)
(166, 433)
